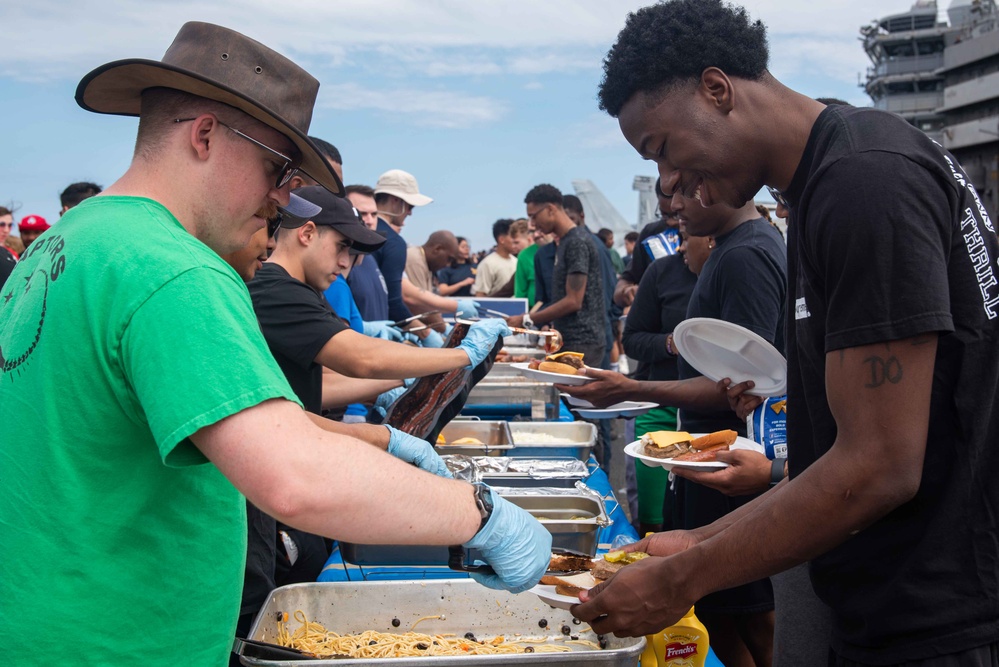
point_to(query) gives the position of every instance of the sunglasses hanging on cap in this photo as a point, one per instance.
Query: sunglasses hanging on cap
(273, 224)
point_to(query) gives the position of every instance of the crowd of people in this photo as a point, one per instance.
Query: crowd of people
(222, 379)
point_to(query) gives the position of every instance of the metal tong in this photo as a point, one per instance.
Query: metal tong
(402, 323)
(252, 648)
(553, 338)
(463, 560)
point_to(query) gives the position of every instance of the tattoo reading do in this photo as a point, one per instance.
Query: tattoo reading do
(883, 370)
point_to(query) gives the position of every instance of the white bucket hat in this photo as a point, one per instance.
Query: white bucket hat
(403, 185)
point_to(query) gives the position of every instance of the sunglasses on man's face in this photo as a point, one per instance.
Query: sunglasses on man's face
(7, 224)
(285, 172)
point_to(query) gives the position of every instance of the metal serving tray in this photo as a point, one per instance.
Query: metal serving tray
(580, 437)
(353, 607)
(540, 400)
(495, 437)
(557, 471)
(573, 519)
(505, 372)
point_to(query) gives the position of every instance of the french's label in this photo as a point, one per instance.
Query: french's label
(680, 650)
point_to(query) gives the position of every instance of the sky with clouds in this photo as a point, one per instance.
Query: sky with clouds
(479, 100)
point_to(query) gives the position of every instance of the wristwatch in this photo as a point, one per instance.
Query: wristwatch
(528, 322)
(777, 471)
(484, 502)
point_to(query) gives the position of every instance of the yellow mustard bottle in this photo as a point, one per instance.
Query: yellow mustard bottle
(682, 645)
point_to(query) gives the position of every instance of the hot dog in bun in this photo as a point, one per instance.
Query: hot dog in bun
(706, 447)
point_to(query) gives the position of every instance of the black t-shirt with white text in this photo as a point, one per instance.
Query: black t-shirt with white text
(297, 322)
(887, 240)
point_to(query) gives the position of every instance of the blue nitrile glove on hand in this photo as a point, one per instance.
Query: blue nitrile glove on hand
(515, 545)
(383, 329)
(433, 339)
(481, 338)
(386, 399)
(420, 453)
(467, 308)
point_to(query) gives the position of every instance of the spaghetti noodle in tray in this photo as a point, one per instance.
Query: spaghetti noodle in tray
(313, 638)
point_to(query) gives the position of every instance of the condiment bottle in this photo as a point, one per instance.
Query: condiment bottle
(682, 645)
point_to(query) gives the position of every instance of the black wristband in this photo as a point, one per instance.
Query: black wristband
(777, 470)
(484, 503)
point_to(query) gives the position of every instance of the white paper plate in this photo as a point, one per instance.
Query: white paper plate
(548, 594)
(576, 402)
(635, 449)
(719, 349)
(625, 409)
(554, 378)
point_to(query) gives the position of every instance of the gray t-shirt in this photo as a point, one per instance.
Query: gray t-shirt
(578, 253)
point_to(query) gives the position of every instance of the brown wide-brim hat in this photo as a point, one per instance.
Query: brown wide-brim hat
(222, 65)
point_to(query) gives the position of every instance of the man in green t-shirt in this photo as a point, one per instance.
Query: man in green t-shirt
(523, 286)
(123, 522)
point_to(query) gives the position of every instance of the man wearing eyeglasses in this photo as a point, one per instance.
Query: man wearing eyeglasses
(172, 411)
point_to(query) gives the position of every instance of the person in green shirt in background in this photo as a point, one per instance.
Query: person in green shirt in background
(523, 286)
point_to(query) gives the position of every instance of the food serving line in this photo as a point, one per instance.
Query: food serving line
(517, 435)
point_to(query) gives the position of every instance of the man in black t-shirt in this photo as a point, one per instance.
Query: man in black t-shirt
(577, 309)
(306, 336)
(893, 350)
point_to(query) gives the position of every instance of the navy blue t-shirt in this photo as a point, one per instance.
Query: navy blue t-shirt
(367, 285)
(391, 258)
(451, 275)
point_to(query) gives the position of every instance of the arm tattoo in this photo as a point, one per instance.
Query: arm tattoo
(883, 369)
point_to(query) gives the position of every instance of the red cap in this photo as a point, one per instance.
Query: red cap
(33, 223)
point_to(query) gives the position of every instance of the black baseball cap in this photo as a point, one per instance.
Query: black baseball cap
(339, 214)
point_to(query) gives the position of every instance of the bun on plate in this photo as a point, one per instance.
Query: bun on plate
(566, 363)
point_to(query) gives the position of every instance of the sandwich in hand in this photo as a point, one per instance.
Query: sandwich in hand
(599, 570)
(680, 446)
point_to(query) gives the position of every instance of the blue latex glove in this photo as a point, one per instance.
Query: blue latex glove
(383, 329)
(411, 449)
(515, 544)
(467, 308)
(481, 338)
(386, 399)
(432, 339)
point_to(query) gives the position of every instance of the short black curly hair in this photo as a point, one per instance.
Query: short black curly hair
(544, 194)
(674, 41)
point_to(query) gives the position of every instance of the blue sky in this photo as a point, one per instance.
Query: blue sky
(479, 100)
